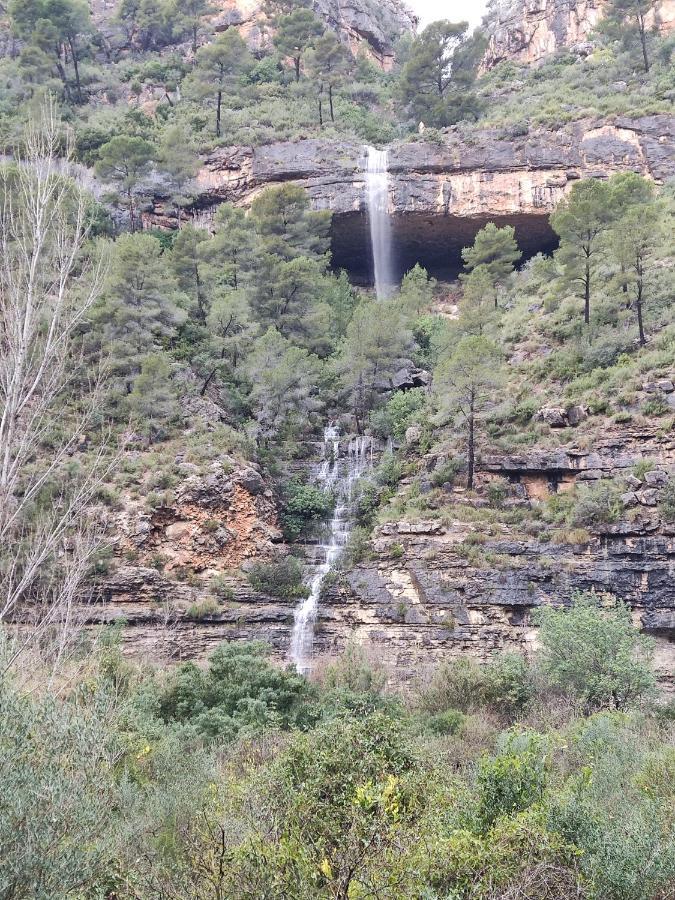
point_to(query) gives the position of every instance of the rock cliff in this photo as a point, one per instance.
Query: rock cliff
(442, 194)
(528, 31)
(370, 25)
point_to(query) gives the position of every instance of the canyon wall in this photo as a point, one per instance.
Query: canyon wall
(441, 194)
(529, 31)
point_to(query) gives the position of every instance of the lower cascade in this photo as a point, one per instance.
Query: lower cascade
(337, 475)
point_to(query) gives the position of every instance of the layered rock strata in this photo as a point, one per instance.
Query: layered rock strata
(441, 195)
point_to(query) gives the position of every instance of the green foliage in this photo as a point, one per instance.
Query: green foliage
(437, 79)
(495, 251)
(667, 505)
(514, 780)
(403, 409)
(305, 506)
(279, 579)
(596, 654)
(240, 690)
(58, 796)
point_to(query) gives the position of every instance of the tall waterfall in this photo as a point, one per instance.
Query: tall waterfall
(339, 476)
(377, 202)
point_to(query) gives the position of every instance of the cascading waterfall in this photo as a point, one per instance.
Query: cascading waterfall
(339, 476)
(377, 203)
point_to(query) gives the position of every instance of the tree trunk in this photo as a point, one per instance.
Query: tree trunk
(76, 68)
(219, 104)
(321, 106)
(587, 292)
(132, 218)
(330, 98)
(638, 303)
(296, 62)
(472, 444)
(643, 40)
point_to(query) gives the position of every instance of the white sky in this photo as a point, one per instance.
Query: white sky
(454, 10)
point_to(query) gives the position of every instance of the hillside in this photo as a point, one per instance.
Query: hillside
(337, 451)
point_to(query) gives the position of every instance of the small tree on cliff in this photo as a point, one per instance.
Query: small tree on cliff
(633, 240)
(220, 67)
(330, 62)
(295, 34)
(581, 222)
(126, 161)
(465, 384)
(631, 21)
(437, 79)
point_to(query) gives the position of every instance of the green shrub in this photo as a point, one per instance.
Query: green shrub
(596, 504)
(221, 587)
(401, 411)
(508, 685)
(304, 506)
(596, 654)
(458, 684)
(203, 610)
(240, 690)
(448, 722)
(447, 473)
(281, 579)
(667, 505)
(513, 780)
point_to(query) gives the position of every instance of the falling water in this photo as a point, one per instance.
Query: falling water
(338, 476)
(377, 201)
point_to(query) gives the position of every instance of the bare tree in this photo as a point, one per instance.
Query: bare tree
(47, 481)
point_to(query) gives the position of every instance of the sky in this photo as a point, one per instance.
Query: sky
(454, 10)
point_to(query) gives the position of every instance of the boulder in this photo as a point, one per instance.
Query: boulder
(413, 435)
(554, 416)
(648, 497)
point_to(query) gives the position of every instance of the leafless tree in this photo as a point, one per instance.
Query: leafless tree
(48, 284)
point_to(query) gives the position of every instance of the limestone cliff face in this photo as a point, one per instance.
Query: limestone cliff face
(373, 26)
(528, 31)
(442, 194)
(433, 587)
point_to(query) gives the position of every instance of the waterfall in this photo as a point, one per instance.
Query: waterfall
(338, 476)
(377, 203)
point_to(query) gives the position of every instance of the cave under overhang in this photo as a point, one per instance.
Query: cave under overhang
(435, 241)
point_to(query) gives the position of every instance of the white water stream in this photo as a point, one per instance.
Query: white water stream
(379, 220)
(338, 475)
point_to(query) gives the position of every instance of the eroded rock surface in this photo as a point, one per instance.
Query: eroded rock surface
(441, 195)
(529, 31)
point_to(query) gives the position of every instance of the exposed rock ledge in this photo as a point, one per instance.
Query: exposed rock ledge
(442, 194)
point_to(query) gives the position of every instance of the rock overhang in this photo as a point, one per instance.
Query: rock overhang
(441, 194)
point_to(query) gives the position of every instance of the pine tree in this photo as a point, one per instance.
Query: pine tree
(126, 161)
(219, 69)
(296, 32)
(465, 384)
(581, 222)
(495, 250)
(141, 308)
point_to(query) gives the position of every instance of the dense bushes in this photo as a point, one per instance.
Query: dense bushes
(281, 579)
(241, 780)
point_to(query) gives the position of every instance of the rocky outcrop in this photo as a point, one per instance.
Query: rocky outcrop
(442, 194)
(215, 522)
(373, 26)
(362, 24)
(529, 31)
